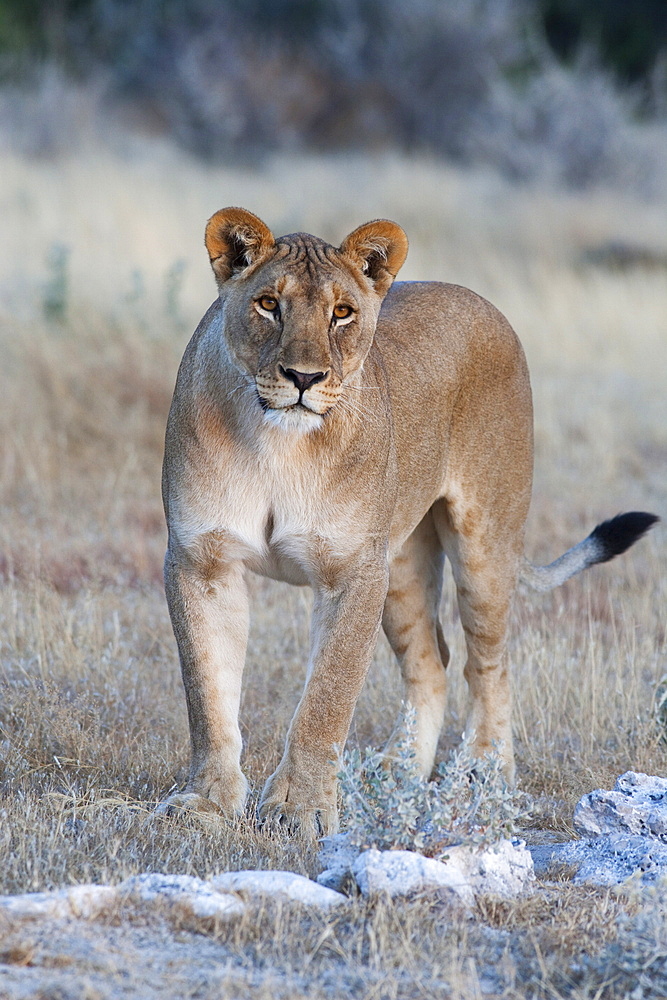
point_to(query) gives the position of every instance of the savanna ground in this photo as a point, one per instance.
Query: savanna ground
(103, 278)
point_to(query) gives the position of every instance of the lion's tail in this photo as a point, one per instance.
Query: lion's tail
(609, 539)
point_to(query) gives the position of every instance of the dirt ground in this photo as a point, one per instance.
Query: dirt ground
(417, 949)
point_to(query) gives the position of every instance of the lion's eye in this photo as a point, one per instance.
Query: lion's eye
(342, 312)
(268, 303)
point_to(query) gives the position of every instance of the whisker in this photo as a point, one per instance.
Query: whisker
(240, 388)
(361, 388)
(245, 387)
(354, 408)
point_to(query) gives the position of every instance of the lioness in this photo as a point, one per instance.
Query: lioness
(332, 430)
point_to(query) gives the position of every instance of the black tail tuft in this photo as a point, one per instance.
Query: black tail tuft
(620, 532)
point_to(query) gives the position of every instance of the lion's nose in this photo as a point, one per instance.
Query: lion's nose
(303, 380)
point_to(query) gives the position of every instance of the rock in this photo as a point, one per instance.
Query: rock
(338, 851)
(184, 895)
(190, 896)
(505, 869)
(624, 834)
(614, 858)
(467, 872)
(89, 901)
(85, 901)
(547, 857)
(398, 873)
(637, 805)
(339, 880)
(337, 855)
(285, 885)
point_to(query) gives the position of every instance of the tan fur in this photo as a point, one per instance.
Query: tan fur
(413, 443)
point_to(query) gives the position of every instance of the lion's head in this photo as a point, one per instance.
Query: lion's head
(299, 315)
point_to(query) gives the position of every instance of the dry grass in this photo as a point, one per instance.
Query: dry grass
(92, 716)
(421, 949)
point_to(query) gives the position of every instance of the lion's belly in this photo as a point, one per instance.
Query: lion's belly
(278, 566)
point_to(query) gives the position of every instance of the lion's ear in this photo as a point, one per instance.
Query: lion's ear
(379, 248)
(235, 239)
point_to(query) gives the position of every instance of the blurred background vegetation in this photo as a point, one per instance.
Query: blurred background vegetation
(573, 90)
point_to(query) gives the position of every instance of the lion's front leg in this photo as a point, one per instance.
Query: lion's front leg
(346, 621)
(209, 613)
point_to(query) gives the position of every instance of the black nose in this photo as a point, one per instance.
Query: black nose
(303, 380)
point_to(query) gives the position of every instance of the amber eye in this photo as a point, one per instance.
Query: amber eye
(268, 303)
(342, 312)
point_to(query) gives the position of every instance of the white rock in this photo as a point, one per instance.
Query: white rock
(624, 833)
(287, 885)
(505, 869)
(189, 895)
(89, 901)
(337, 851)
(221, 905)
(336, 879)
(86, 901)
(337, 856)
(36, 904)
(607, 860)
(637, 804)
(398, 873)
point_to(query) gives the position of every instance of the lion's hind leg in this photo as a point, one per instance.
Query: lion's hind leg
(410, 622)
(485, 556)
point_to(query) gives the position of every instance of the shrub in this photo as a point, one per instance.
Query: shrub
(237, 81)
(56, 289)
(386, 804)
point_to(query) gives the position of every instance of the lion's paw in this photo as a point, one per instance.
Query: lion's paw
(213, 789)
(188, 802)
(298, 807)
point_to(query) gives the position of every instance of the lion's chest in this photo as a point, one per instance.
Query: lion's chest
(283, 521)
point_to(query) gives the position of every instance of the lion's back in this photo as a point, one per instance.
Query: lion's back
(457, 379)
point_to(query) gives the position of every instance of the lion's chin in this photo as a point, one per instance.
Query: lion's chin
(295, 419)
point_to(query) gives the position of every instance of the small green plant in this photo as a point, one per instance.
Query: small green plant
(660, 708)
(386, 803)
(173, 287)
(136, 297)
(56, 289)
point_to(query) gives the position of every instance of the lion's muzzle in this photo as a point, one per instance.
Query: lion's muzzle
(293, 389)
(302, 380)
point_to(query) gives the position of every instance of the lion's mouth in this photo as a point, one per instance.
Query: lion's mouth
(298, 407)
